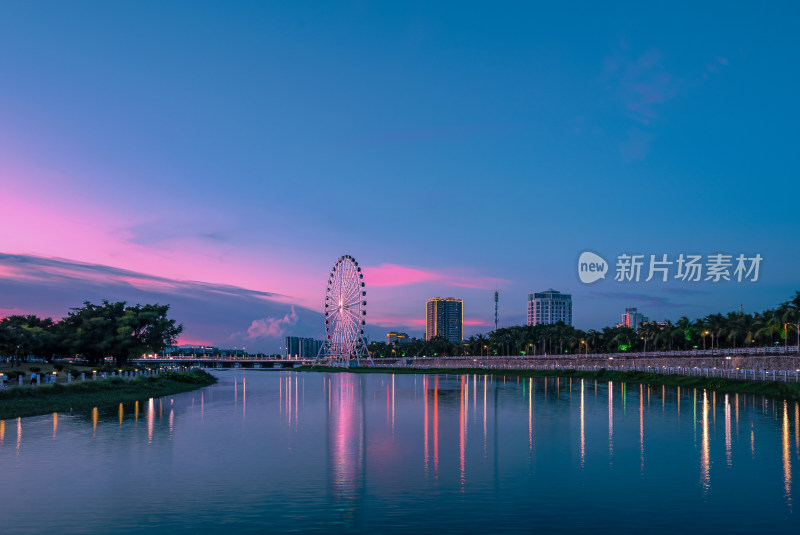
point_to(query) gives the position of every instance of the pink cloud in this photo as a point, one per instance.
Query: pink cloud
(394, 275)
(272, 327)
(4, 312)
(475, 322)
(52, 217)
(387, 275)
(183, 340)
(394, 321)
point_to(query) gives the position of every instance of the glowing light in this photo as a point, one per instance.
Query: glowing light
(641, 428)
(787, 455)
(583, 436)
(610, 418)
(151, 416)
(530, 415)
(705, 453)
(462, 438)
(425, 389)
(436, 426)
(727, 431)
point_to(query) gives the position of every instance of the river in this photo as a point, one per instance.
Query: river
(281, 451)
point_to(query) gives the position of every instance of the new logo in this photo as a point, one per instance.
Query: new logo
(591, 267)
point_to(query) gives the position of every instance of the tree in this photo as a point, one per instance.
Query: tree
(143, 329)
(114, 330)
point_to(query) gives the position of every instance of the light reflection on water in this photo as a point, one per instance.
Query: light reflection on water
(393, 453)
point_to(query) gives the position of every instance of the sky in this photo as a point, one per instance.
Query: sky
(220, 157)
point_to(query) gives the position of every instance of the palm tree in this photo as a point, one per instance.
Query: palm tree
(688, 330)
(767, 326)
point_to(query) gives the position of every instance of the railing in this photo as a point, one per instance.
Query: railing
(744, 351)
(46, 379)
(745, 374)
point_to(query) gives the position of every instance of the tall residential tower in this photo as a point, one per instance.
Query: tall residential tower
(445, 318)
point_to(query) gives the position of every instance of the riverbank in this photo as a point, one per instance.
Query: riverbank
(84, 395)
(789, 391)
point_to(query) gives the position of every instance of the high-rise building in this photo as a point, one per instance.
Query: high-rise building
(445, 318)
(302, 348)
(396, 338)
(633, 319)
(549, 306)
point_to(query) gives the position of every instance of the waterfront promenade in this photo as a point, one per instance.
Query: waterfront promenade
(759, 365)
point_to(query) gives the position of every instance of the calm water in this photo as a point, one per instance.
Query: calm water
(311, 452)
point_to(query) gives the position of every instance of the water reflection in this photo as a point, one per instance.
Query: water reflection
(787, 455)
(530, 417)
(346, 442)
(728, 443)
(151, 418)
(610, 419)
(641, 427)
(436, 427)
(462, 430)
(583, 436)
(705, 463)
(377, 459)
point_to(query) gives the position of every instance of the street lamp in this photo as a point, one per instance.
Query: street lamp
(705, 333)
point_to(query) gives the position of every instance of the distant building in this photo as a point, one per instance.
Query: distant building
(445, 318)
(548, 307)
(302, 348)
(191, 349)
(396, 338)
(633, 319)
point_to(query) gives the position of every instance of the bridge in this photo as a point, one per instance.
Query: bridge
(223, 362)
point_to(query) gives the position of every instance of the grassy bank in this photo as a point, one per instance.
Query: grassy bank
(733, 386)
(85, 395)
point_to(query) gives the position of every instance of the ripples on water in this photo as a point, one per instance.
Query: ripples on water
(315, 452)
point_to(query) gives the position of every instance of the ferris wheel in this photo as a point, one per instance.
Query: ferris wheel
(345, 314)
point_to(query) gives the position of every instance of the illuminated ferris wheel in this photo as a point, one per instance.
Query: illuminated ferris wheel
(345, 315)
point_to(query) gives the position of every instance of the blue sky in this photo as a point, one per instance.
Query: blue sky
(453, 148)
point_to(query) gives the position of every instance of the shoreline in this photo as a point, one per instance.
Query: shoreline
(22, 402)
(775, 389)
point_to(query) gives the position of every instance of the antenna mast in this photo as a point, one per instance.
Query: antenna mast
(496, 299)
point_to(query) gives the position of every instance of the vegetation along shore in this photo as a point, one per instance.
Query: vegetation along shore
(85, 395)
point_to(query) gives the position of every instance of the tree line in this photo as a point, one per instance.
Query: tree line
(715, 331)
(92, 332)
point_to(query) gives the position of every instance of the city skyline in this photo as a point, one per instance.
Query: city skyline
(222, 165)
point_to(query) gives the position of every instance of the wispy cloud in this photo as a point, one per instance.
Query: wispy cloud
(655, 301)
(395, 275)
(478, 323)
(56, 271)
(640, 82)
(214, 314)
(643, 83)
